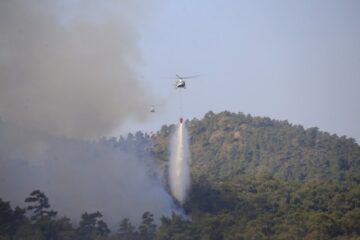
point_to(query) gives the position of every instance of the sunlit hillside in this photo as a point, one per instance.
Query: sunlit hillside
(258, 178)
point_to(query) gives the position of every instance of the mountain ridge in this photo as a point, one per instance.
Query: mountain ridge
(229, 144)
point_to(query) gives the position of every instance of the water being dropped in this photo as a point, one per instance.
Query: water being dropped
(179, 172)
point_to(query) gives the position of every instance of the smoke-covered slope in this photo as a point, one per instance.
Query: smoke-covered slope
(116, 178)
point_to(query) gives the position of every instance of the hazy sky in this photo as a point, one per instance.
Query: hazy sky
(288, 60)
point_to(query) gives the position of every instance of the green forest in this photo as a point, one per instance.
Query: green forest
(252, 178)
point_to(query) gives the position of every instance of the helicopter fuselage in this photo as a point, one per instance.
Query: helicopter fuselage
(180, 83)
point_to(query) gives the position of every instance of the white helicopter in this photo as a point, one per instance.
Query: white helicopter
(180, 83)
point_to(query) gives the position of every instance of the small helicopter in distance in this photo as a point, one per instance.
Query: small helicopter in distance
(152, 108)
(180, 82)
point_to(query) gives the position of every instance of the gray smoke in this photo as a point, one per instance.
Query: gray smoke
(79, 176)
(67, 73)
(67, 67)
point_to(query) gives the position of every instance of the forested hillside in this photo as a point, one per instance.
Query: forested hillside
(253, 178)
(257, 178)
(229, 145)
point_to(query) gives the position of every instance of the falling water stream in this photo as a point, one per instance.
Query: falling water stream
(179, 164)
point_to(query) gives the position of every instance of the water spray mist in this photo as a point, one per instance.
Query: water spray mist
(179, 164)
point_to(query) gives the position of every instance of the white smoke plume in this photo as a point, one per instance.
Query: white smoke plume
(67, 73)
(179, 171)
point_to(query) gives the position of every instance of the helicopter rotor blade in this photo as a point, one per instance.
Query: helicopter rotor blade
(188, 77)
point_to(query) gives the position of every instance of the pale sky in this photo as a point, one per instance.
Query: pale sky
(288, 60)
